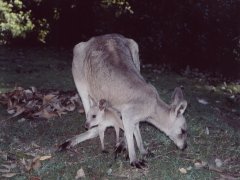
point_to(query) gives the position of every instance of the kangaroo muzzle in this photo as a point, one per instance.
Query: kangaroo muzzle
(86, 126)
(184, 146)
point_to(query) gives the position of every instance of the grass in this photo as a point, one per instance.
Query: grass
(50, 68)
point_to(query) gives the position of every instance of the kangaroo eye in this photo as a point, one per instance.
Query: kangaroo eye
(183, 134)
(183, 131)
(93, 116)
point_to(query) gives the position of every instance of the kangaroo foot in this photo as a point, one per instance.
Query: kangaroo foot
(140, 164)
(121, 148)
(63, 147)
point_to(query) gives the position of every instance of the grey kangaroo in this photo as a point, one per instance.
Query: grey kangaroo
(107, 67)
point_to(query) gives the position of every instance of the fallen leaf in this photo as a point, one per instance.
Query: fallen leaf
(207, 131)
(11, 166)
(3, 155)
(28, 93)
(80, 174)
(70, 107)
(109, 171)
(4, 170)
(31, 104)
(21, 120)
(9, 175)
(43, 158)
(45, 114)
(218, 162)
(34, 89)
(19, 110)
(35, 178)
(11, 109)
(35, 145)
(228, 177)
(214, 168)
(47, 98)
(199, 165)
(26, 164)
(183, 170)
(76, 99)
(202, 101)
(19, 88)
(36, 164)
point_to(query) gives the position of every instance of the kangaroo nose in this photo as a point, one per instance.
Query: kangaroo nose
(184, 146)
(86, 126)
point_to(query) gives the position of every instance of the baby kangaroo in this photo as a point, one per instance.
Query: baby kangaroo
(102, 116)
(99, 118)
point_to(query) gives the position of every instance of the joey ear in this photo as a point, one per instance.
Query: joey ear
(91, 101)
(177, 96)
(180, 108)
(102, 104)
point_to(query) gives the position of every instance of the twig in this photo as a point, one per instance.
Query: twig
(226, 175)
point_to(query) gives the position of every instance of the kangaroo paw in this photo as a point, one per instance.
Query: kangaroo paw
(120, 148)
(140, 164)
(63, 147)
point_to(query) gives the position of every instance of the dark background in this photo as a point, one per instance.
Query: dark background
(200, 34)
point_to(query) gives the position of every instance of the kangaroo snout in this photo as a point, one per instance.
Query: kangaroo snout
(86, 126)
(184, 146)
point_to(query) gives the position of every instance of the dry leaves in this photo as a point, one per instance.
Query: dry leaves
(9, 175)
(200, 164)
(32, 103)
(183, 170)
(43, 158)
(35, 163)
(5, 169)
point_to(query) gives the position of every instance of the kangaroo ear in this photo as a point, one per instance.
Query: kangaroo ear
(177, 96)
(102, 104)
(180, 108)
(91, 101)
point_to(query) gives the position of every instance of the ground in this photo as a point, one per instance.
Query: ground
(28, 147)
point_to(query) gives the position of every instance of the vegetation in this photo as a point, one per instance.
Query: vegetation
(15, 21)
(202, 34)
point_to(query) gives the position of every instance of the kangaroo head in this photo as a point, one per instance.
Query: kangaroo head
(96, 113)
(177, 126)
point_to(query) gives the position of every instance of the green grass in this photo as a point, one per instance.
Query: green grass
(50, 68)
